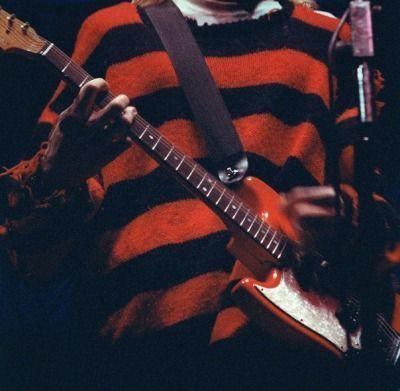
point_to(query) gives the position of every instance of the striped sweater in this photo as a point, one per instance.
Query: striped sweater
(164, 287)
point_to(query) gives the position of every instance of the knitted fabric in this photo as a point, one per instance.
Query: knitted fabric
(160, 252)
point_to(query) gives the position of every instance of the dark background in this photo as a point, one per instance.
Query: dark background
(26, 86)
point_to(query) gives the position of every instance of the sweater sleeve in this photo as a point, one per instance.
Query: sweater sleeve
(40, 228)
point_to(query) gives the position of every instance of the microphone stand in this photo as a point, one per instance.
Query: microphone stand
(368, 366)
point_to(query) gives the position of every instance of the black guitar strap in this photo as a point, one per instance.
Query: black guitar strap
(205, 100)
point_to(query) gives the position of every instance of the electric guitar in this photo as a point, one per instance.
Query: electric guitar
(273, 298)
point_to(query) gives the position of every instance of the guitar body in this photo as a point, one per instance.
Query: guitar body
(275, 301)
(265, 201)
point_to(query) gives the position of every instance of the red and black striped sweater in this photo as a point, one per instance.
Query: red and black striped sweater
(161, 253)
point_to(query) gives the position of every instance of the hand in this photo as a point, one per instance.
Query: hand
(311, 211)
(325, 241)
(85, 139)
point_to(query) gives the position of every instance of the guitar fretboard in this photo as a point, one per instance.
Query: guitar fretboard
(200, 182)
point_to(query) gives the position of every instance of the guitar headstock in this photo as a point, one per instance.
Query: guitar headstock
(16, 35)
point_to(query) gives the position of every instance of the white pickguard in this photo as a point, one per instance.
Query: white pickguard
(311, 310)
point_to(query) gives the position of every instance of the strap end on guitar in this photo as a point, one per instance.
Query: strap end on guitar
(233, 168)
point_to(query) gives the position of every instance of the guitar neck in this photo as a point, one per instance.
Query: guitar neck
(194, 177)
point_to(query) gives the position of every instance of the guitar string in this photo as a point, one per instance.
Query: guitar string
(381, 320)
(386, 329)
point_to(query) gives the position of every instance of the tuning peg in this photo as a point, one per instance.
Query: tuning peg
(25, 26)
(10, 20)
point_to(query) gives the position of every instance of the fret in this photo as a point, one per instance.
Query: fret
(241, 214)
(220, 197)
(276, 247)
(272, 239)
(78, 79)
(233, 207)
(211, 188)
(186, 167)
(178, 166)
(169, 153)
(237, 210)
(259, 229)
(59, 59)
(229, 203)
(191, 172)
(248, 221)
(150, 137)
(66, 67)
(161, 148)
(256, 227)
(225, 201)
(204, 188)
(144, 131)
(244, 218)
(215, 193)
(197, 176)
(277, 241)
(255, 218)
(175, 158)
(82, 83)
(266, 233)
(48, 48)
(155, 145)
(202, 179)
(285, 242)
(75, 75)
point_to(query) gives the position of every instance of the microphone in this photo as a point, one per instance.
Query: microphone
(362, 33)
